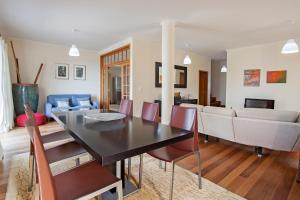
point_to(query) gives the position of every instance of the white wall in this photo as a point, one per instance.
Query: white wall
(31, 54)
(145, 55)
(218, 80)
(265, 57)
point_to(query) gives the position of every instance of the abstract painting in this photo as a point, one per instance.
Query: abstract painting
(252, 77)
(79, 72)
(276, 76)
(62, 71)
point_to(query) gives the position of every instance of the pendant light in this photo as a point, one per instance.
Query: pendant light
(187, 60)
(74, 50)
(224, 69)
(290, 47)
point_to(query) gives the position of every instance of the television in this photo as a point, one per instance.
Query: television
(259, 103)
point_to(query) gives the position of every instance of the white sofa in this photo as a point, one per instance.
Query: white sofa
(217, 122)
(273, 129)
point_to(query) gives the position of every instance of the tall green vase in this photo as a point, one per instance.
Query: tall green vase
(25, 93)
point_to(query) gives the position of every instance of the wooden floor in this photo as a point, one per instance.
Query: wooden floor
(229, 165)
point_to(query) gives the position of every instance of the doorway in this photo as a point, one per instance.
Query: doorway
(203, 87)
(115, 77)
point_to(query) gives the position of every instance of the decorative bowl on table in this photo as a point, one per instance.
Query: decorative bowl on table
(105, 116)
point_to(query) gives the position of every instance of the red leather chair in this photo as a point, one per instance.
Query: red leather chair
(64, 150)
(150, 112)
(126, 107)
(84, 182)
(183, 118)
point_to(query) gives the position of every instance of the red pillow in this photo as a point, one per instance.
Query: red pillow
(40, 119)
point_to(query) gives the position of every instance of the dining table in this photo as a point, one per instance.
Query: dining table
(111, 141)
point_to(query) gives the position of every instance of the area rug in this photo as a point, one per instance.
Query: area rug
(156, 182)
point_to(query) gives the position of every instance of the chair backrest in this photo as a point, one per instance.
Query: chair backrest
(30, 124)
(126, 107)
(47, 188)
(150, 111)
(46, 182)
(186, 118)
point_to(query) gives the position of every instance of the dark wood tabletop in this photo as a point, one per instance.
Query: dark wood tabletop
(112, 141)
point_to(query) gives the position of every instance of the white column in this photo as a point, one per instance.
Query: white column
(168, 56)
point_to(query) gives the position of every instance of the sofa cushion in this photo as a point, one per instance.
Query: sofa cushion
(268, 114)
(76, 99)
(199, 107)
(219, 111)
(63, 103)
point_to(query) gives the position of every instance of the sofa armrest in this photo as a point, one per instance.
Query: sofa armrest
(48, 109)
(95, 105)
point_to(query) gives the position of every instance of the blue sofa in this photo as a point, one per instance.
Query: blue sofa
(51, 104)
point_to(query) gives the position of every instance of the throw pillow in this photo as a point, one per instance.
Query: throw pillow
(63, 104)
(86, 104)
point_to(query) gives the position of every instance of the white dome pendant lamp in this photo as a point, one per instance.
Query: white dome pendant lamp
(224, 69)
(290, 47)
(187, 60)
(74, 50)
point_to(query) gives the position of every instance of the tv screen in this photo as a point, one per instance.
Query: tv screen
(259, 103)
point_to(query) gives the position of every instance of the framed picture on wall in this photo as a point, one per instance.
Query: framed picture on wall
(62, 71)
(79, 72)
(276, 76)
(252, 77)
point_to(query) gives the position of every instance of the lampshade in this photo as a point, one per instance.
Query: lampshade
(74, 51)
(187, 60)
(224, 68)
(290, 47)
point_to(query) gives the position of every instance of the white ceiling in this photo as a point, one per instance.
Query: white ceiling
(209, 26)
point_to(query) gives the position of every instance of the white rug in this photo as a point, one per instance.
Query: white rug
(156, 182)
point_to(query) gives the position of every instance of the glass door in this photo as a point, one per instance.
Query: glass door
(115, 77)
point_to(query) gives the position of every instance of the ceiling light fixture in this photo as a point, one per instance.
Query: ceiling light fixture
(224, 69)
(74, 50)
(187, 60)
(290, 47)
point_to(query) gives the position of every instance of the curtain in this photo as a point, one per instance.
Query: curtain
(6, 100)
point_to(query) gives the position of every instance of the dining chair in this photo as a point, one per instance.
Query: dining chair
(126, 107)
(150, 112)
(65, 150)
(83, 182)
(184, 118)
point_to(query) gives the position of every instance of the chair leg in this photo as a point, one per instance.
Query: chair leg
(298, 175)
(172, 181)
(120, 191)
(31, 170)
(160, 164)
(197, 153)
(77, 162)
(141, 172)
(129, 168)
